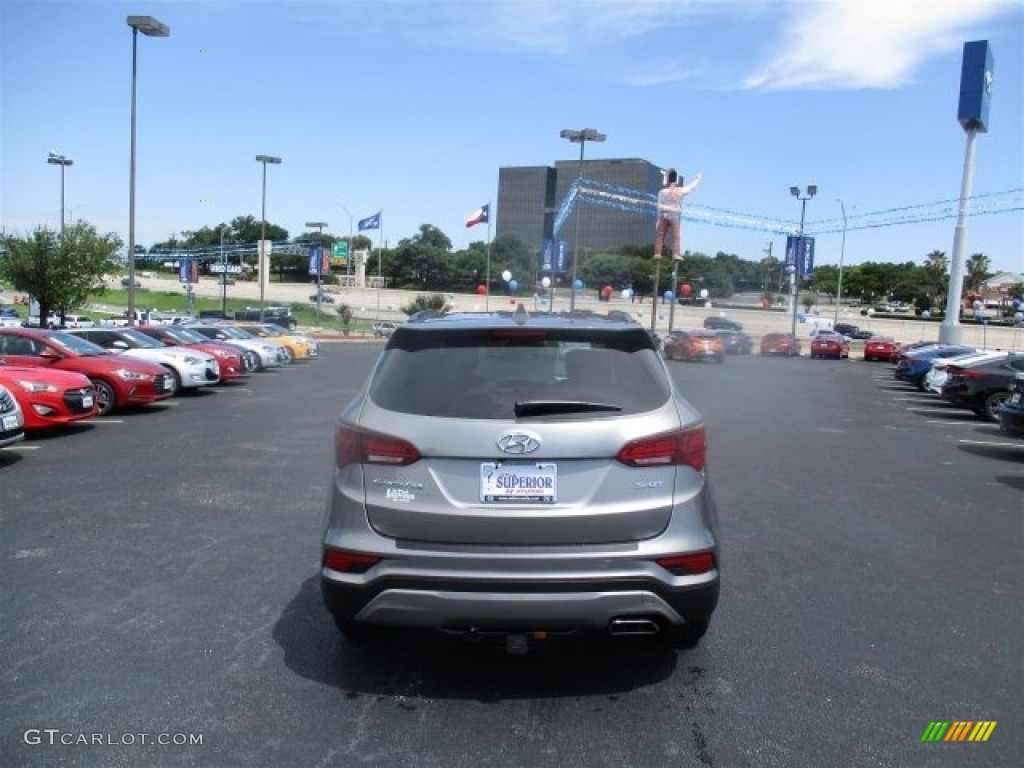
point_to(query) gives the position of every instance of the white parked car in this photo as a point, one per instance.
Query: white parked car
(190, 367)
(936, 377)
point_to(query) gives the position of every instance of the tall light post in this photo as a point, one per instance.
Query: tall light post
(263, 230)
(319, 261)
(348, 264)
(223, 275)
(812, 190)
(842, 252)
(581, 138)
(150, 27)
(63, 162)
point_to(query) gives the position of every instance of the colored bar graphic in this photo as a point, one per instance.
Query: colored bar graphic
(959, 730)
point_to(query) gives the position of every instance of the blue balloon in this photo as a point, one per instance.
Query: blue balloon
(577, 284)
(513, 285)
(1016, 303)
(669, 295)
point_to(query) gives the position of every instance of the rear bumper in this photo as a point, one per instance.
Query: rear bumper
(451, 606)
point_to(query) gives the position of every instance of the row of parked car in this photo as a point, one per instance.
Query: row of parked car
(51, 378)
(988, 382)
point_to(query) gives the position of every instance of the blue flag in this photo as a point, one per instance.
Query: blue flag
(373, 222)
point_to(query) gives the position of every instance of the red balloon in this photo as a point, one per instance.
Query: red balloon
(607, 290)
(481, 289)
(685, 289)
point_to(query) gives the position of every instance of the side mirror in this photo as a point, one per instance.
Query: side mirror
(118, 344)
(50, 354)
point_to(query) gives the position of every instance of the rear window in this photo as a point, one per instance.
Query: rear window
(485, 373)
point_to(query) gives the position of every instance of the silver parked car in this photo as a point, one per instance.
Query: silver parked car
(521, 477)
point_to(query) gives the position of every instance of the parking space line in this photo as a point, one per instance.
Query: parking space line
(20, 447)
(933, 410)
(1019, 446)
(964, 422)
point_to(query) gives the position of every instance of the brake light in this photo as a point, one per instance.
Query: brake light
(349, 562)
(684, 447)
(360, 446)
(688, 565)
(969, 373)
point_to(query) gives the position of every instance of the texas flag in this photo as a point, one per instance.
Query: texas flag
(479, 216)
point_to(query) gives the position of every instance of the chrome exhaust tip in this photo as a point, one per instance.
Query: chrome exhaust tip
(626, 626)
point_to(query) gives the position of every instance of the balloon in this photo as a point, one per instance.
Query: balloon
(1016, 303)
(669, 295)
(577, 284)
(546, 282)
(978, 304)
(513, 285)
(506, 275)
(627, 293)
(686, 289)
(704, 293)
(926, 314)
(481, 289)
(607, 291)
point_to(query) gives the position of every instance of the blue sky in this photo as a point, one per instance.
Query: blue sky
(410, 108)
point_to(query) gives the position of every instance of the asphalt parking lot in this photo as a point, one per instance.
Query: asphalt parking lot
(159, 573)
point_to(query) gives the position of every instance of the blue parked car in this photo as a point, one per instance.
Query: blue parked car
(915, 366)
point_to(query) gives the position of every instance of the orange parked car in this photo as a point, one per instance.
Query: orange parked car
(694, 345)
(780, 344)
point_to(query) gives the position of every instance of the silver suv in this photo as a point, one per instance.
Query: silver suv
(523, 477)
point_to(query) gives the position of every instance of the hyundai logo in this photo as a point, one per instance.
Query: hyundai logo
(518, 443)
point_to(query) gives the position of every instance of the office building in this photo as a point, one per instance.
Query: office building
(529, 198)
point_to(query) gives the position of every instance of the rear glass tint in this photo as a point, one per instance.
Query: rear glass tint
(483, 373)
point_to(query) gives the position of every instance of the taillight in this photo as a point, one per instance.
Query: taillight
(969, 373)
(349, 562)
(684, 447)
(688, 565)
(359, 446)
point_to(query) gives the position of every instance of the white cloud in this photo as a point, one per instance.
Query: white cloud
(869, 43)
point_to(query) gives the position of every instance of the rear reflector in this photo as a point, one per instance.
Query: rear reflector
(688, 565)
(359, 446)
(684, 447)
(349, 562)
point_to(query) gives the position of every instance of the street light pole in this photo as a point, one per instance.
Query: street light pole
(798, 255)
(223, 277)
(63, 162)
(150, 27)
(319, 261)
(581, 138)
(842, 253)
(263, 231)
(348, 264)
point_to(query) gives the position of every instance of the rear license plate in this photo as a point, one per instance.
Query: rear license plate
(168, 384)
(10, 423)
(533, 483)
(87, 401)
(1015, 398)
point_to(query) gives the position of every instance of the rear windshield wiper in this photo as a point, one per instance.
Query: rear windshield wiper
(549, 407)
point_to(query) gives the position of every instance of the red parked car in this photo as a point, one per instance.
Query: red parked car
(120, 381)
(230, 362)
(780, 344)
(880, 348)
(694, 345)
(830, 345)
(48, 397)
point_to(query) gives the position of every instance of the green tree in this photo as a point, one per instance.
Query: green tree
(60, 271)
(424, 260)
(936, 267)
(978, 271)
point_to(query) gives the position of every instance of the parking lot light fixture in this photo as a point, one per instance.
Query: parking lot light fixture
(319, 261)
(150, 27)
(263, 231)
(581, 138)
(842, 253)
(795, 191)
(63, 162)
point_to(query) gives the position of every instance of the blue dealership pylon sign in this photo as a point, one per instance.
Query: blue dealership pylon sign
(800, 253)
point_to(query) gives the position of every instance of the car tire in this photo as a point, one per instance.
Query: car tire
(177, 380)
(106, 400)
(992, 403)
(289, 356)
(688, 635)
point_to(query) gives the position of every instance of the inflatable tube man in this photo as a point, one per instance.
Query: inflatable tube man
(670, 211)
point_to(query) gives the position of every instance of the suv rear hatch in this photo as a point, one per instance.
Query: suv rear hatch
(523, 436)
